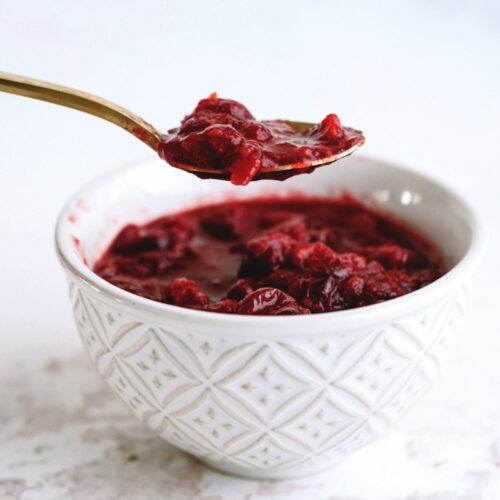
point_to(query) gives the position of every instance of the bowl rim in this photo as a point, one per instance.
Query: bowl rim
(260, 325)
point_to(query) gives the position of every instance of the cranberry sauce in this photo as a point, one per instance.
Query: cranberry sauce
(271, 256)
(223, 135)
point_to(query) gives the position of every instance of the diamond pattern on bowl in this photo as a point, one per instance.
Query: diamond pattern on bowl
(266, 452)
(266, 405)
(321, 421)
(371, 374)
(264, 385)
(212, 420)
(151, 362)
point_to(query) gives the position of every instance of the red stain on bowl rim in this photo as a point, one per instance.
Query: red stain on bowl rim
(82, 205)
(77, 245)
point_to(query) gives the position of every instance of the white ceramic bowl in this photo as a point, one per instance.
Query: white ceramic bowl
(269, 397)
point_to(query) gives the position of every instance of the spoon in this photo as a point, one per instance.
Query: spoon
(135, 125)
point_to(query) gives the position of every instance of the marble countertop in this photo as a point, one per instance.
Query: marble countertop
(424, 73)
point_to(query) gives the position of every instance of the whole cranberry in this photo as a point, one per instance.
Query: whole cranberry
(240, 289)
(185, 293)
(392, 255)
(265, 253)
(256, 131)
(227, 306)
(212, 104)
(245, 165)
(270, 302)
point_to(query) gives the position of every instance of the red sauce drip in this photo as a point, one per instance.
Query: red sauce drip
(223, 135)
(271, 256)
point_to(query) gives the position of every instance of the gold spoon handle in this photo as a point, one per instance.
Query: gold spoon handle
(82, 101)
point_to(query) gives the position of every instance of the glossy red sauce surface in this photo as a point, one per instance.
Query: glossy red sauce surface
(222, 134)
(271, 256)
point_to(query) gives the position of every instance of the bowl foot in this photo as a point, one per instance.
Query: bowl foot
(269, 474)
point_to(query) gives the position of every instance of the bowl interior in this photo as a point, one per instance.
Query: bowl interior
(143, 192)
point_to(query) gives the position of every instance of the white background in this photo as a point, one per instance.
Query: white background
(421, 79)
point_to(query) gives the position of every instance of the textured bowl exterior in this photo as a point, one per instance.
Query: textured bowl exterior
(262, 408)
(266, 397)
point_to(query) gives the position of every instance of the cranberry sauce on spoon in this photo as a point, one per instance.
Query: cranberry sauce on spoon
(222, 138)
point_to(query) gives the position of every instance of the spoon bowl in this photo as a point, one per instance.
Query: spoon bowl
(268, 172)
